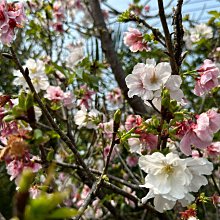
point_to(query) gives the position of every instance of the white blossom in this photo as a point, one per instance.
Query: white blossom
(165, 173)
(195, 34)
(147, 79)
(156, 76)
(135, 83)
(173, 85)
(36, 73)
(86, 119)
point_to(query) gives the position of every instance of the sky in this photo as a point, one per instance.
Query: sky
(196, 8)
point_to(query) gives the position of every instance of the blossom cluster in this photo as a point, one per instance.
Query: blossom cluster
(135, 40)
(12, 16)
(40, 82)
(199, 134)
(147, 81)
(196, 33)
(207, 79)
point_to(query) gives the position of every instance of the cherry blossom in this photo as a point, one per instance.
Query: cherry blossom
(146, 142)
(132, 121)
(208, 78)
(12, 16)
(132, 160)
(173, 85)
(147, 8)
(200, 134)
(135, 83)
(195, 34)
(157, 75)
(167, 172)
(115, 97)
(36, 73)
(54, 93)
(76, 53)
(69, 100)
(89, 119)
(134, 40)
(147, 80)
(213, 150)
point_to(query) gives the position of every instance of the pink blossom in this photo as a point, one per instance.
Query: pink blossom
(132, 121)
(107, 128)
(54, 93)
(14, 168)
(115, 96)
(200, 134)
(134, 39)
(8, 128)
(147, 8)
(195, 154)
(83, 195)
(208, 78)
(34, 192)
(86, 96)
(11, 16)
(149, 141)
(132, 160)
(106, 152)
(216, 200)
(58, 26)
(69, 100)
(213, 150)
(59, 11)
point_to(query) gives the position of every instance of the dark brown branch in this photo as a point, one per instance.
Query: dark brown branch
(168, 39)
(111, 56)
(178, 33)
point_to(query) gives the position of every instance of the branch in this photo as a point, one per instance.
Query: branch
(178, 32)
(111, 177)
(86, 202)
(169, 44)
(157, 34)
(107, 46)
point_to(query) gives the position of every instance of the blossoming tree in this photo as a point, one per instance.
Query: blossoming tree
(96, 124)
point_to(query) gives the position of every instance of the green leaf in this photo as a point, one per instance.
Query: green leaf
(124, 17)
(50, 155)
(9, 118)
(216, 14)
(148, 37)
(29, 101)
(53, 134)
(21, 100)
(38, 134)
(63, 213)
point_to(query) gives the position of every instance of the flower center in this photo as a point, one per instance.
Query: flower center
(153, 78)
(168, 169)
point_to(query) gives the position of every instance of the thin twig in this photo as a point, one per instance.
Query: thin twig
(127, 169)
(86, 202)
(111, 177)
